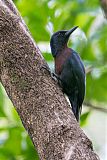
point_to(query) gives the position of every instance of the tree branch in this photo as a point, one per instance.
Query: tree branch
(88, 104)
(39, 101)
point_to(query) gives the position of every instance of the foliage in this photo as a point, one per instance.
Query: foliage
(43, 18)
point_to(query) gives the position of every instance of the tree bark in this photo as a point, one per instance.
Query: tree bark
(104, 6)
(41, 105)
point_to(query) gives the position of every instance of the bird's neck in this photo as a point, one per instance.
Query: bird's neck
(61, 50)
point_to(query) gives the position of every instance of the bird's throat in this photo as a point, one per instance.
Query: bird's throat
(60, 58)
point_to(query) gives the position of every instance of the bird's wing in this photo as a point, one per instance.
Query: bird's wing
(79, 75)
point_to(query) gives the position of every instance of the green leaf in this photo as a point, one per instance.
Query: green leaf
(84, 118)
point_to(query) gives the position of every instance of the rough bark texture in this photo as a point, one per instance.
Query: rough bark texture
(39, 101)
(104, 6)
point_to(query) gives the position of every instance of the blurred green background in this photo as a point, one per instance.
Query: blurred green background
(43, 17)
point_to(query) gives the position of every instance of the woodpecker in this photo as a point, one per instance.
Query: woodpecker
(69, 69)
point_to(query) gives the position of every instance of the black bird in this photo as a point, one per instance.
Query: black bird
(69, 69)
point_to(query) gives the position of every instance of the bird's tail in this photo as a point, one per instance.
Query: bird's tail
(75, 106)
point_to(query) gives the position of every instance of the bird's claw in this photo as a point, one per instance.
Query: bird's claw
(46, 68)
(53, 75)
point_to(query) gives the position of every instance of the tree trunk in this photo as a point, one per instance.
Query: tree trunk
(41, 105)
(104, 6)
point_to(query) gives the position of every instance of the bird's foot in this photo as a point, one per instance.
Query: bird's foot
(58, 79)
(45, 67)
(53, 75)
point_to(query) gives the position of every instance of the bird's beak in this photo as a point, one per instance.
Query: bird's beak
(67, 34)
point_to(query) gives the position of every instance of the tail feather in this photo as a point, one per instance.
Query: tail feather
(75, 107)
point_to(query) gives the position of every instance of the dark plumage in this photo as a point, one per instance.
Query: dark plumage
(70, 70)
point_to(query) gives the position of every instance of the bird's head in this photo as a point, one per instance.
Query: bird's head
(59, 40)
